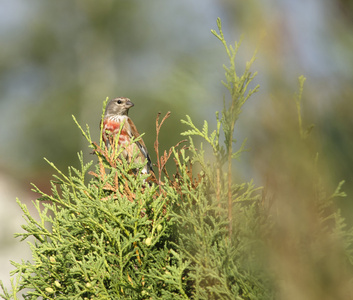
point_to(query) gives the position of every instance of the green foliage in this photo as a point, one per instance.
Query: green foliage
(95, 243)
(221, 222)
(120, 234)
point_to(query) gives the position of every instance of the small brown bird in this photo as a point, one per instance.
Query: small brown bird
(116, 114)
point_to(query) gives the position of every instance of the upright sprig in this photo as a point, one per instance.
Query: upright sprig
(304, 133)
(238, 87)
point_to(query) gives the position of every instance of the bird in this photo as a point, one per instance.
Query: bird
(116, 115)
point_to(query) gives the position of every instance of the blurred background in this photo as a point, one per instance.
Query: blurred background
(63, 58)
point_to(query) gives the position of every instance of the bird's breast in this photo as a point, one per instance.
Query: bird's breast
(112, 127)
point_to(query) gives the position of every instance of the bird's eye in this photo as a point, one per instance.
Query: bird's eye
(119, 101)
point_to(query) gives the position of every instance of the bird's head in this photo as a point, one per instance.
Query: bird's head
(119, 106)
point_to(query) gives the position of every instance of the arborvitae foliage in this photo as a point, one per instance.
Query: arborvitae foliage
(109, 232)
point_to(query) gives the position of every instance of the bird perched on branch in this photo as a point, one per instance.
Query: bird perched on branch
(116, 115)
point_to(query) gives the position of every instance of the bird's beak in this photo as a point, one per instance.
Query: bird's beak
(129, 104)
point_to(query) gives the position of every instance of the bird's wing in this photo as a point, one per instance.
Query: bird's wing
(134, 133)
